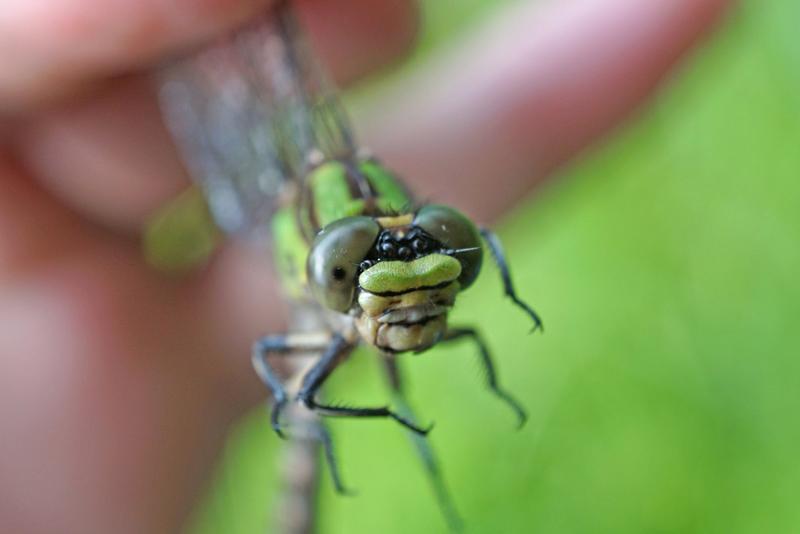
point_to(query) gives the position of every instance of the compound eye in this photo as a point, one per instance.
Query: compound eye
(457, 233)
(335, 256)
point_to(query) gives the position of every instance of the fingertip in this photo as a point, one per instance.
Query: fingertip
(109, 157)
(49, 48)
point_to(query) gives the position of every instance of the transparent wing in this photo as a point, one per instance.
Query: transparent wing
(252, 114)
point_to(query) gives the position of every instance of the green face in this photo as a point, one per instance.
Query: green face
(399, 276)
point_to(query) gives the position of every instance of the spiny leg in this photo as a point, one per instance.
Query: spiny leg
(288, 345)
(454, 334)
(281, 345)
(424, 450)
(317, 375)
(500, 259)
(324, 437)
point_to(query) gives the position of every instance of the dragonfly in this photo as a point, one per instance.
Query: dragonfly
(273, 157)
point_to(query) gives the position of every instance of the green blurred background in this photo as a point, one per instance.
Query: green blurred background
(664, 395)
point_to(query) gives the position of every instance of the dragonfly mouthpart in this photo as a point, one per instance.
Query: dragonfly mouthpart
(412, 314)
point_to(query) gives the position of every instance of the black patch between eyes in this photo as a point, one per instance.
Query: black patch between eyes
(388, 247)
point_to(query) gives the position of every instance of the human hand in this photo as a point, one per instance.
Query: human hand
(116, 383)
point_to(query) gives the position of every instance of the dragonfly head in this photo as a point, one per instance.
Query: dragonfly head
(398, 275)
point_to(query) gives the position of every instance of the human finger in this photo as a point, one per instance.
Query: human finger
(51, 48)
(110, 157)
(483, 124)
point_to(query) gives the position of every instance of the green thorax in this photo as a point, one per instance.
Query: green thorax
(331, 191)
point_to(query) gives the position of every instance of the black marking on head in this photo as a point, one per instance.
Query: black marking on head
(399, 245)
(409, 290)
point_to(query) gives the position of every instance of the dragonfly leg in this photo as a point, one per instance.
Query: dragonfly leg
(454, 334)
(496, 248)
(287, 345)
(424, 450)
(324, 437)
(284, 345)
(317, 375)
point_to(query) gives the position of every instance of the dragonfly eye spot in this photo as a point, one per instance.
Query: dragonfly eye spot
(404, 253)
(339, 273)
(331, 266)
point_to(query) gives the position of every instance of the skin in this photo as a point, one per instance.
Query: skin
(117, 384)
